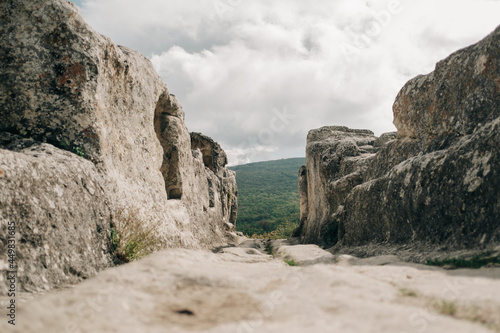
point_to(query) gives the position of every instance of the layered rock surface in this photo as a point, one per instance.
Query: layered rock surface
(71, 91)
(438, 182)
(180, 290)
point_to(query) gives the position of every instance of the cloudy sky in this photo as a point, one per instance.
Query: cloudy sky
(256, 75)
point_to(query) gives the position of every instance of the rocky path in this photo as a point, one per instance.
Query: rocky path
(243, 289)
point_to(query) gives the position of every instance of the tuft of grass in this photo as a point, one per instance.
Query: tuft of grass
(291, 262)
(132, 238)
(115, 239)
(407, 292)
(473, 262)
(446, 308)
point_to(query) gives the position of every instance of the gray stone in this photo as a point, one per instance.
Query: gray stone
(385, 138)
(334, 162)
(304, 255)
(460, 95)
(64, 85)
(436, 183)
(60, 213)
(242, 290)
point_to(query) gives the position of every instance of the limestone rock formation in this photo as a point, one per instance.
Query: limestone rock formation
(437, 183)
(222, 186)
(336, 157)
(244, 290)
(59, 239)
(70, 91)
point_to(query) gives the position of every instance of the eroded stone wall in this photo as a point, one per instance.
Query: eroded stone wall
(437, 182)
(95, 106)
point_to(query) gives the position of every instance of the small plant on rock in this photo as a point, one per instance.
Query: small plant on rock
(446, 308)
(132, 238)
(290, 262)
(79, 151)
(408, 293)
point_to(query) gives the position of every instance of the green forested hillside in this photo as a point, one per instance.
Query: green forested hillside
(268, 200)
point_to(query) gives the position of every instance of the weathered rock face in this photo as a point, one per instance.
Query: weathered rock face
(222, 189)
(437, 183)
(453, 101)
(335, 158)
(67, 87)
(58, 239)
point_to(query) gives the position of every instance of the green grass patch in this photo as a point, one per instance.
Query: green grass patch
(407, 292)
(291, 262)
(473, 262)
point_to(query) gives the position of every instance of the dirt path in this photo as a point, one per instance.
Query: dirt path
(243, 289)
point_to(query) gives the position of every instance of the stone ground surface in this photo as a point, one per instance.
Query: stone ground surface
(243, 289)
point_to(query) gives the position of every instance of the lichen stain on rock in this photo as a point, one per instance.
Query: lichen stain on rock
(72, 76)
(90, 133)
(59, 37)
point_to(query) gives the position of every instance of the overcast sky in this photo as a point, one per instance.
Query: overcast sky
(257, 75)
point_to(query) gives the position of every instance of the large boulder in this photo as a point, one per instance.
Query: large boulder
(58, 213)
(74, 92)
(436, 183)
(335, 157)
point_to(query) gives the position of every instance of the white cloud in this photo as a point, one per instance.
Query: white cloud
(233, 63)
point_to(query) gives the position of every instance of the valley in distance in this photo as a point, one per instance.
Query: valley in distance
(268, 198)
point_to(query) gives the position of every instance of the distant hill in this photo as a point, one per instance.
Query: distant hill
(268, 200)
